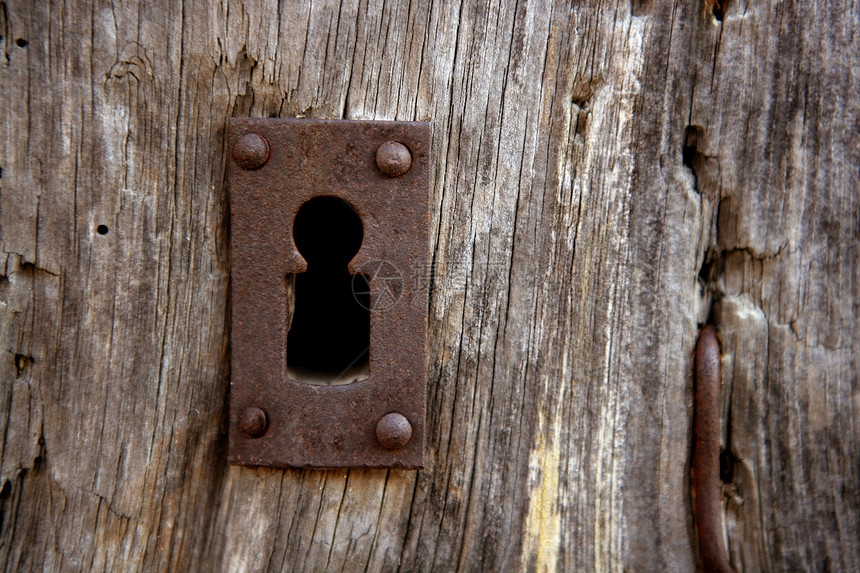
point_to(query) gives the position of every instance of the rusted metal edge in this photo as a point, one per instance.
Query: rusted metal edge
(706, 454)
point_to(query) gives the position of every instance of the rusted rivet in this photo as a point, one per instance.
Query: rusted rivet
(706, 453)
(251, 151)
(253, 422)
(393, 158)
(393, 431)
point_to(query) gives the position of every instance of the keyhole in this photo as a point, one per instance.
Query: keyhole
(329, 339)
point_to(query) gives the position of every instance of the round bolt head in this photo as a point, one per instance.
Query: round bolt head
(253, 422)
(393, 158)
(251, 151)
(393, 431)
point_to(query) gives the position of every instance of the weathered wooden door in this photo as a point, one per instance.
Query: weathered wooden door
(606, 178)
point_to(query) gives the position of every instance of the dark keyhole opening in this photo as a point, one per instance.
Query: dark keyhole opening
(329, 339)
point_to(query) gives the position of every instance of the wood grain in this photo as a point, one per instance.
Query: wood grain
(607, 178)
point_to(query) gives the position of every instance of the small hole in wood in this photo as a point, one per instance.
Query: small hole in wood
(22, 363)
(718, 9)
(102, 230)
(727, 465)
(638, 7)
(21, 43)
(690, 148)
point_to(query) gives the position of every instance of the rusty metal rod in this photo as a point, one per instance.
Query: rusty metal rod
(706, 453)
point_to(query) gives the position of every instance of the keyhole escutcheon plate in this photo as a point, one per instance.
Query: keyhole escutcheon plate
(380, 169)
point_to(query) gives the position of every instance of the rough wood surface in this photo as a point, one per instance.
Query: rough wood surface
(607, 177)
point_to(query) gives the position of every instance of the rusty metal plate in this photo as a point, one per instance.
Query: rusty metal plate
(276, 166)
